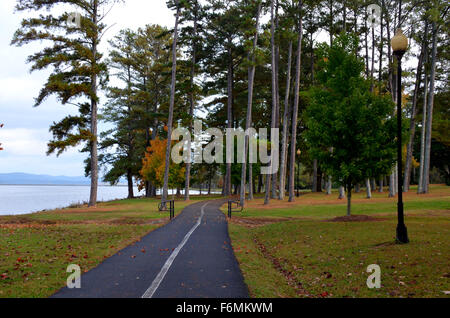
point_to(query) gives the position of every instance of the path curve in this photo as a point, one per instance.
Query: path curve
(190, 257)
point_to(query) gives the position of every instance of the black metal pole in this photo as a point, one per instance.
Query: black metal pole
(402, 232)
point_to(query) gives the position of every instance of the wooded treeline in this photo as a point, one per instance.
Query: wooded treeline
(249, 64)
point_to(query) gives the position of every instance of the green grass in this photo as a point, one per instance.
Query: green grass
(320, 211)
(305, 256)
(35, 249)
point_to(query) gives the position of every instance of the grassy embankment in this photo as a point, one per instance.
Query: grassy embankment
(298, 250)
(36, 248)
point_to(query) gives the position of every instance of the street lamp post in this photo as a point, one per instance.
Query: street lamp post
(399, 45)
(298, 171)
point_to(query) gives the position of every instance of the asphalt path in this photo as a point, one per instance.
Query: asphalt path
(190, 257)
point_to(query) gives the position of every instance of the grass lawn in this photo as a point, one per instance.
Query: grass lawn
(294, 250)
(36, 248)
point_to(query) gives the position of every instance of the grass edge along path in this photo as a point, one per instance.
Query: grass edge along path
(36, 248)
(300, 254)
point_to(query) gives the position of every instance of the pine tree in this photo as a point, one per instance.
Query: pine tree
(121, 111)
(77, 69)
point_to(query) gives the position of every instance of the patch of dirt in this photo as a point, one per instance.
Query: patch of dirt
(385, 244)
(289, 276)
(128, 221)
(87, 210)
(256, 222)
(26, 225)
(355, 218)
(25, 220)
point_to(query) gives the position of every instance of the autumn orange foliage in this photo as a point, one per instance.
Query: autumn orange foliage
(153, 165)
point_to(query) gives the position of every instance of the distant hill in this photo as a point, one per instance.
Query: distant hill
(25, 178)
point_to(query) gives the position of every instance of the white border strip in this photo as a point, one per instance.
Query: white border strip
(159, 278)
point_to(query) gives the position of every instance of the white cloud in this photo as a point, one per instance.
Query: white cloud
(22, 142)
(25, 134)
(27, 142)
(19, 89)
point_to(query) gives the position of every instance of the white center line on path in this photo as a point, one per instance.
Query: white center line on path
(159, 278)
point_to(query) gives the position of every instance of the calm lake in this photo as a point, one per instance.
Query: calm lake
(20, 199)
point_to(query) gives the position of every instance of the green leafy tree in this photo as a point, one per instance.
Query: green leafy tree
(350, 130)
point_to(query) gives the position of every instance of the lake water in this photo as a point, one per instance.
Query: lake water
(20, 199)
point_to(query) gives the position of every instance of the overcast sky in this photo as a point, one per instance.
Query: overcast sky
(25, 134)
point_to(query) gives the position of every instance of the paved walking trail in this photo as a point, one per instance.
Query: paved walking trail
(191, 257)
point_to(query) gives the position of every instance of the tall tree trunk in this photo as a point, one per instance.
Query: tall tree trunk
(150, 189)
(94, 110)
(349, 200)
(260, 183)
(368, 189)
(393, 94)
(380, 189)
(341, 192)
(426, 177)
(274, 94)
(277, 94)
(412, 125)
(423, 129)
(329, 185)
(229, 112)
(295, 107)
(319, 179)
(284, 142)
(130, 137)
(392, 183)
(191, 100)
(251, 77)
(250, 182)
(130, 184)
(373, 184)
(314, 181)
(366, 43)
(381, 45)
(331, 21)
(171, 106)
(372, 69)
